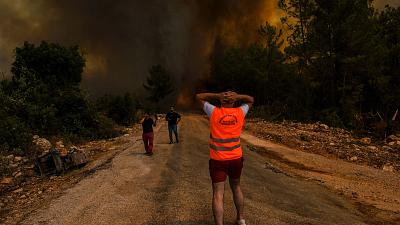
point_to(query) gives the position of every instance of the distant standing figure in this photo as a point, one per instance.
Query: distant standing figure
(148, 135)
(173, 119)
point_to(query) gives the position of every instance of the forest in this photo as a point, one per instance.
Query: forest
(332, 61)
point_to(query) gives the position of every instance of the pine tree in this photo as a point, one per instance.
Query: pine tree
(159, 83)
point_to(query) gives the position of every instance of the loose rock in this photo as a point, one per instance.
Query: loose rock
(41, 145)
(18, 190)
(13, 165)
(354, 158)
(388, 168)
(392, 138)
(365, 140)
(7, 180)
(387, 148)
(324, 126)
(17, 158)
(18, 174)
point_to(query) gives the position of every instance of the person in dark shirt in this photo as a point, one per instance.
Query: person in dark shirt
(173, 119)
(148, 135)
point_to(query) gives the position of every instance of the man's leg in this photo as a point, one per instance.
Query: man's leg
(170, 134)
(176, 133)
(238, 198)
(145, 142)
(151, 138)
(218, 202)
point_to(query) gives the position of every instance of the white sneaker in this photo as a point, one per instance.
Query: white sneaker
(241, 222)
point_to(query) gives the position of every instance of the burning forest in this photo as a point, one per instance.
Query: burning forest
(86, 85)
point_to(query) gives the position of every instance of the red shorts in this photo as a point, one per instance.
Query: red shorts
(220, 169)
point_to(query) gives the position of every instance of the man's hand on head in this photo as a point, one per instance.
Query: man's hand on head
(233, 96)
(228, 97)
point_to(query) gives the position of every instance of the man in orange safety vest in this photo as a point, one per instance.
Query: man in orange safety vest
(226, 123)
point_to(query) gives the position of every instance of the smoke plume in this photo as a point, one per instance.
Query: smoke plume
(123, 38)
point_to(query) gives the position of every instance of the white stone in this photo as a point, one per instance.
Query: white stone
(17, 158)
(18, 174)
(324, 126)
(388, 168)
(18, 190)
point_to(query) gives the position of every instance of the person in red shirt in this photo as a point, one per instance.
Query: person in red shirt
(148, 135)
(226, 123)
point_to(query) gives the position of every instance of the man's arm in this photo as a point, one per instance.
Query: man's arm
(142, 120)
(167, 116)
(203, 97)
(246, 99)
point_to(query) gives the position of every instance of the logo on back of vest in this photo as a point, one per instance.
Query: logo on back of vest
(228, 120)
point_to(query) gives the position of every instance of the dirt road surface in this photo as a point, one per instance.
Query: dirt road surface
(173, 187)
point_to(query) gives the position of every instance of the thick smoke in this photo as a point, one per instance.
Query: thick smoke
(123, 38)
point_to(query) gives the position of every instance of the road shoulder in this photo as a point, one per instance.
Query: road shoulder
(374, 190)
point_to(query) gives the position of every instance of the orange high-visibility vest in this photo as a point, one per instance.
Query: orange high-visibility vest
(226, 126)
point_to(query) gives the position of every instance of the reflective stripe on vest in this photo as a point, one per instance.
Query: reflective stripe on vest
(227, 140)
(221, 148)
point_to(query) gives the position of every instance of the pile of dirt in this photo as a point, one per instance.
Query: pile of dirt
(331, 142)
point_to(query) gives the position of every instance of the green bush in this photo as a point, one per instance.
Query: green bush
(14, 134)
(43, 97)
(120, 108)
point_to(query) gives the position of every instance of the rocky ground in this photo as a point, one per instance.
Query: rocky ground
(331, 142)
(23, 190)
(173, 187)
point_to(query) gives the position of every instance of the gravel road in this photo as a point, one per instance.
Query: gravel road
(173, 187)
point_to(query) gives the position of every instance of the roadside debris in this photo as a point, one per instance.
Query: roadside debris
(49, 160)
(331, 142)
